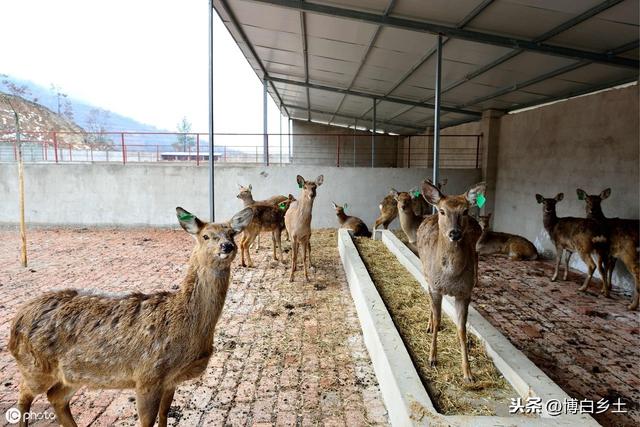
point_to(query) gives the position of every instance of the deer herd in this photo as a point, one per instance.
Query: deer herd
(64, 340)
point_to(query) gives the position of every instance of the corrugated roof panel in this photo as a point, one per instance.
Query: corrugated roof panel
(323, 100)
(520, 97)
(321, 63)
(265, 16)
(466, 92)
(414, 92)
(400, 40)
(355, 105)
(377, 6)
(339, 29)
(550, 86)
(626, 12)
(335, 49)
(589, 35)
(471, 52)
(272, 38)
(435, 10)
(597, 73)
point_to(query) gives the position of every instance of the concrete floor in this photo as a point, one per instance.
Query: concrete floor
(587, 344)
(285, 353)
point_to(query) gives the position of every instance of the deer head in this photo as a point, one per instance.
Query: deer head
(404, 200)
(593, 201)
(339, 209)
(309, 187)
(452, 211)
(215, 246)
(549, 205)
(484, 221)
(245, 192)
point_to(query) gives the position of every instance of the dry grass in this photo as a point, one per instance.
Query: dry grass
(409, 307)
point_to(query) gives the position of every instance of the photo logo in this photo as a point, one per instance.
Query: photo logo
(12, 415)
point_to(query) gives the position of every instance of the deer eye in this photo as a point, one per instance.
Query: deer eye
(205, 237)
(441, 212)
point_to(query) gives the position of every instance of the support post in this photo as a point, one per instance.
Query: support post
(409, 154)
(212, 208)
(338, 151)
(290, 138)
(436, 115)
(355, 129)
(124, 150)
(373, 135)
(264, 123)
(55, 146)
(280, 123)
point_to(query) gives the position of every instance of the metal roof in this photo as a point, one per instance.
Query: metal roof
(329, 61)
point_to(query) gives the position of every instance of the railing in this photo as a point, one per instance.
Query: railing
(336, 149)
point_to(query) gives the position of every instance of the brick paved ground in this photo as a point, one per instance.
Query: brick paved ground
(286, 354)
(588, 344)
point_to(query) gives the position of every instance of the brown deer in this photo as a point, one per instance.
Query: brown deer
(409, 221)
(624, 239)
(246, 196)
(582, 235)
(265, 218)
(298, 223)
(64, 340)
(388, 211)
(353, 223)
(492, 242)
(447, 248)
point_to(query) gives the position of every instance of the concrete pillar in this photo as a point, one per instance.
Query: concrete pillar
(490, 128)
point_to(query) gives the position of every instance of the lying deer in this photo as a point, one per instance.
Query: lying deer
(623, 236)
(298, 223)
(265, 218)
(353, 223)
(447, 248)
(582, 235)
(492, 242)
(247, 199)
(388, 211)
(64, 340)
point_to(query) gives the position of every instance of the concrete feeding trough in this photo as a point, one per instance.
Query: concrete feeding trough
(404, 394)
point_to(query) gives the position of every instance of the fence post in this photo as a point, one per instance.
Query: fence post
(15, 151)
(256, 154)
(124, 150)
(477, 151)
(197, 149)
(70, 153)
(338, 151)
(157, 153)
(224, 148)
(91, 148)
(55, 146)
(409, 154)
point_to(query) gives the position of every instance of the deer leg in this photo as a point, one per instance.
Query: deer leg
(309, 252)
(635, 269)
(559, 253)
(250, 239)
(59, 396)
(165, 405)
(148, 402)
(278, 240)
(566, 265)
(294, 257)
(24, 402)
(586, 257)
(287, 238)
(602, 269)
(462, 310)
(611, 265)
(306, 249)
(243, 244)
(436, 313)
(273, 242)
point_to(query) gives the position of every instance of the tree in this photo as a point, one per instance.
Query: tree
(183, 141)
(22, 91)
(65, 109)
(97, 123)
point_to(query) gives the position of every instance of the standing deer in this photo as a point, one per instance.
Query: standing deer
(247, 199)
(298, 223)
(624, 239)
(265, 218)
(492, 242)
(447, 248)
(353, 223)
(388, 211)
(409, 221)
(582, 235)
(64, 340)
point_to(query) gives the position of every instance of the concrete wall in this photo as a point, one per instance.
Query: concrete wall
(146, 194)
(354, 149)
(589, 142)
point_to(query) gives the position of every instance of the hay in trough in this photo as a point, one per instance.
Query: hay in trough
(409, 307)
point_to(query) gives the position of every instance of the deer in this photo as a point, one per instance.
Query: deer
(517, 248)
(266, 217)
(624, 239)
(245, 194)
(63, 340)
(447, 249)
(388, 211)
(298, 223)
(409, 220)
(582, 235)
(352, 223)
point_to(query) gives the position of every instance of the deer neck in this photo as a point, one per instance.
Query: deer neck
(248, 201)
(453, 257)
(342, 217)
(549, 219)
(596, 213)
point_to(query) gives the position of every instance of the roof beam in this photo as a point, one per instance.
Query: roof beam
(365, 56)
(453, 32)
(590, 13)
(372, 96)
(245, 40)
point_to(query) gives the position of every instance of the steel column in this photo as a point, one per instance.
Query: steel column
(265, 130)
(373, 135)
(212, 208)
(436, 115)
(290, 139)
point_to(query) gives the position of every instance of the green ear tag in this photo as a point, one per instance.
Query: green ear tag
(480, 200)
(299, 185)
(580, 196)
(281, 205)
(185, 217)
(416, 193)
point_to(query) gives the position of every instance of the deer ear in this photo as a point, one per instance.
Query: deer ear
(559, 197)
(300, 181)
(334, 205)
(430, 192)
(188, 221)
(581, 194)
(394, 193)
(539, 198)
(605, 194)
(475, 195)
(345, 206)
(240, 220)
(489, 215)
(250, 187)
(319, 180)
(291, 197)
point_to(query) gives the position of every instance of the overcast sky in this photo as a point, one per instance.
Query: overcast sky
(146, 59)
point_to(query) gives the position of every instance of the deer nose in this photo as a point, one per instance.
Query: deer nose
(455, 234)
(227, 247)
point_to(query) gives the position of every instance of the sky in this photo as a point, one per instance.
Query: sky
(146, 59)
